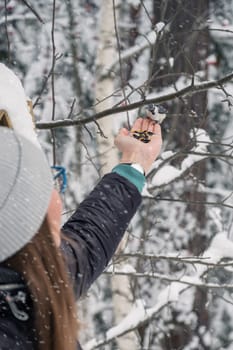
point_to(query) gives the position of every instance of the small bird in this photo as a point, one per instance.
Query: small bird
(156, 112)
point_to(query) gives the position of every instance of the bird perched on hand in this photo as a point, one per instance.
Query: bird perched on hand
(156, 112)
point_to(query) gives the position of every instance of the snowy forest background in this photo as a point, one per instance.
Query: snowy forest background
(90, 67)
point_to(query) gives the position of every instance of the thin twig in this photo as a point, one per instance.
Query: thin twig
(146, 11)
(33, 11)
(42, 88)
(120, 61)
(6, 30)
(53, 59)
(71, 108)
(53, 80)
(217, 204)
(179, 259)
(187, 280)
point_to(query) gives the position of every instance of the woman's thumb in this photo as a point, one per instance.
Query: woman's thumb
(123, 132)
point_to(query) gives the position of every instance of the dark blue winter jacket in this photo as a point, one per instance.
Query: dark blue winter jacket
(96, 229)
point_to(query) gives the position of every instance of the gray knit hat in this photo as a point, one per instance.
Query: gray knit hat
(25, 190)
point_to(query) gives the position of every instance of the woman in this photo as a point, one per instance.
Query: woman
(43, 271)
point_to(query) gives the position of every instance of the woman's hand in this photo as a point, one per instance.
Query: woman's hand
(136, 151)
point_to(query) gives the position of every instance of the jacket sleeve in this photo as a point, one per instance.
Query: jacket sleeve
(93, 232)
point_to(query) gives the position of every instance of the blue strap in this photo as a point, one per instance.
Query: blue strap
(61, 172)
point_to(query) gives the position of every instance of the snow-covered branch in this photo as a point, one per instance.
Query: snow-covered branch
(176, 258)
(89, 115)
(12, 18)
(169, 173)
(178, 200)
(221, 247)
(148, 40)
(184, 280)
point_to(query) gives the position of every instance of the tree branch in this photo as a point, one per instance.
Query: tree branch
(183, 280)
(179, 259)
(90, 116)
(33, 11)
(139, 314)
(6, 30)
(150, 40)
(13, 18)
(178, 200)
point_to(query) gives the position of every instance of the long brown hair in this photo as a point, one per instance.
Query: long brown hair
(42, 266)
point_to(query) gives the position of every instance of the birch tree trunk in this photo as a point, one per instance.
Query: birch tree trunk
(105, 86)
(108, 157)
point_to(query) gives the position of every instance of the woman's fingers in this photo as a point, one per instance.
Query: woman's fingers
(137, 125)
(156, 128)
(156, 138)
(152, 126)
(146, 124)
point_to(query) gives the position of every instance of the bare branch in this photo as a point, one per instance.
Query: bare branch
(119, 57)
(183, 280)
(6, 30)
(13, 18)
(179, 259)
(53, 80)
(33, 10)
(217, 204)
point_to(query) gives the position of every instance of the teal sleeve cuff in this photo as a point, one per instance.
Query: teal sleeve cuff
(131, 174)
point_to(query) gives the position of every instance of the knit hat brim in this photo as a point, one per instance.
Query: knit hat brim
(25, 190)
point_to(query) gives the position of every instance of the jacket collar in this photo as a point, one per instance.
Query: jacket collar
(10, 279)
